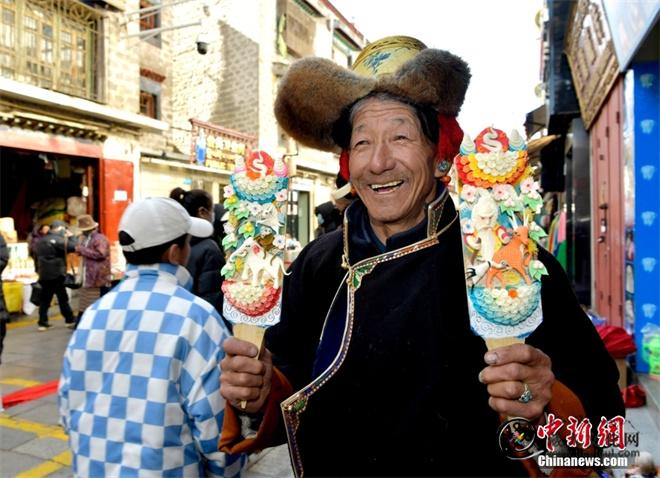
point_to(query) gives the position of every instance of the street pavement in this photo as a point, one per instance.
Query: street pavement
(33, 445)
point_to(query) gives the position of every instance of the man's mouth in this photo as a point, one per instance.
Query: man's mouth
(386, 187)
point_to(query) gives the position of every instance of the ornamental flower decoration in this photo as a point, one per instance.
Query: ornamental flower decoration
(533, 201)
(254, 208)
(537, 269)
(528, 185)
(536, 232)
(468, 228)
(491, 159)
(501, 192)
(231, 202)
(247, 229)
(228, 227)
(230, 241)
(228, 191)
(279, 241)
(469, 193)
(242, 211)
(511, 204)
(282, 195)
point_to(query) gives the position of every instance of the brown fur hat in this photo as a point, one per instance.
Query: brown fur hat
(315, 92)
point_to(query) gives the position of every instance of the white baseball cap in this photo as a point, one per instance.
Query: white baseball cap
(154, 221)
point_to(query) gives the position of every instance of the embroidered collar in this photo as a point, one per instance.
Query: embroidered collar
(169, 272)
(363, 240)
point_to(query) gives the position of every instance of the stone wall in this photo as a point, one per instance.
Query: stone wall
(119, 67)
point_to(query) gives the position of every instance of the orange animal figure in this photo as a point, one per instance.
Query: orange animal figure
(513, 255)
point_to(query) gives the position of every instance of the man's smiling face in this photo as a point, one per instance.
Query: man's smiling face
(391, 165)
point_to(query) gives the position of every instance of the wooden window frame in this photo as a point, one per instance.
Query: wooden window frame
(51, 44)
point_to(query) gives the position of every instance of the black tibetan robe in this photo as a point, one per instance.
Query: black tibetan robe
(386, 365)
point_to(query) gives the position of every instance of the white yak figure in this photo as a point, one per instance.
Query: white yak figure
(257, 262)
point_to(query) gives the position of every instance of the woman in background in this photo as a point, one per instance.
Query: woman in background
(94, 249)
(206, 257)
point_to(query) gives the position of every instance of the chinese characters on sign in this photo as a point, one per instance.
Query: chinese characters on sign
(216, 147)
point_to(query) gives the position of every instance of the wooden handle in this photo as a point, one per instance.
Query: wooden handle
(503, 342)
(253, 334)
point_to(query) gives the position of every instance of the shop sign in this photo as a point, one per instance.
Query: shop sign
(590, 53)
(216, 147)
(629, 23)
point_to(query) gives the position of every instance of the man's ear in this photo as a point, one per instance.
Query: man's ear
(172, 255)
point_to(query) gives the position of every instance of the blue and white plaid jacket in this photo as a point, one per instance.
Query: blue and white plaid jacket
(139, 393)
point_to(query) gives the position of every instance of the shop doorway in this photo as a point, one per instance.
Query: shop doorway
(38, 188)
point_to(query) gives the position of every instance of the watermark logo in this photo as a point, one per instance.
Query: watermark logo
(516, 436)
(569, 442)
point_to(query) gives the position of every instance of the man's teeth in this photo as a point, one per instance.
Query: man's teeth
(391, 184)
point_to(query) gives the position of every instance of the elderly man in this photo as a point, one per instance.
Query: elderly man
(374, 336)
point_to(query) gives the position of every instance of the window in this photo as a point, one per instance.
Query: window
(150, 93)
(148, 104)
(150, 20)
(49, 44)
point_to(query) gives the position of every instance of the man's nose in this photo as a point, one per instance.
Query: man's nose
(382, 159)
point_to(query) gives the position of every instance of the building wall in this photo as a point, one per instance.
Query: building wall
(224, 86)
(233, 86)
(119, 62)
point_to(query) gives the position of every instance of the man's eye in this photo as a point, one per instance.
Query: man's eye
(362, 142)
(400, 137)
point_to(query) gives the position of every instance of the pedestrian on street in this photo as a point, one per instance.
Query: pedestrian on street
(94, 249)
(329, 218)
(389, 378)
(206, 257)
(4, 314)
(37, 233)
(51, 251)
(139, 391)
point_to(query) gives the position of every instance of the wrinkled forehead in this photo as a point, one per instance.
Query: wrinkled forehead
(387, 110)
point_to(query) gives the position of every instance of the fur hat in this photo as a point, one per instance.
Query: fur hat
(315, 92)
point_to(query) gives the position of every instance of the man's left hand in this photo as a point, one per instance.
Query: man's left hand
(509, 369)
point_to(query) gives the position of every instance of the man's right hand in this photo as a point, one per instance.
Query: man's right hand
(245, 377)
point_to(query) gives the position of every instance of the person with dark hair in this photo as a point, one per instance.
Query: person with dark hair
(37, 233)
(206, 256)
(328, 217)
(373, 368)
(51, 251)
(144, 361)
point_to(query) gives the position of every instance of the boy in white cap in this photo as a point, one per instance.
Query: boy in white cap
(139, 391)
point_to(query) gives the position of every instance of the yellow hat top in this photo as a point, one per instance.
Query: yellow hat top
(386, 55)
